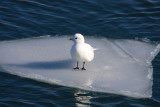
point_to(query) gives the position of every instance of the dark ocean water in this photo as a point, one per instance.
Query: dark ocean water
(127, 19)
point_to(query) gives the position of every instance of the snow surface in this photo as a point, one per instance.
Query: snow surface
(120, 66)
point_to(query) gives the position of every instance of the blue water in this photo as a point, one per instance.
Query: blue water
(127, 19)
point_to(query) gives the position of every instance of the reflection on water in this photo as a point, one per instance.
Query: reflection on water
(82, 98)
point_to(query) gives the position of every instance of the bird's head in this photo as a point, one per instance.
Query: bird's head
(78, 38)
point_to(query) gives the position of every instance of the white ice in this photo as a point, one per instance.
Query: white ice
(120, 66)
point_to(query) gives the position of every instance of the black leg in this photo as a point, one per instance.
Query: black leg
(83, 66)
(76, 67)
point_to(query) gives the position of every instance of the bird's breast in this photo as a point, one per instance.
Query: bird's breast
(82, 52)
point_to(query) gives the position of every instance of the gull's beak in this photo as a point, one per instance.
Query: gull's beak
(70, 39)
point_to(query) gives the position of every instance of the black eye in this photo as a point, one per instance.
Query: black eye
(75, 38)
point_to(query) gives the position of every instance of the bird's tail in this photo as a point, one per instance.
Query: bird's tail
(95, 49)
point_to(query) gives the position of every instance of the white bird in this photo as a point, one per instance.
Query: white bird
(81, 51)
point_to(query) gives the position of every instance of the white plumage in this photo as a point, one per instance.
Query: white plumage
(81, 51)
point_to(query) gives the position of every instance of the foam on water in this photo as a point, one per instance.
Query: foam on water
(120, 66)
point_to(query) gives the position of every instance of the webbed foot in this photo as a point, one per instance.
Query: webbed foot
(83, 68)
(76, 68)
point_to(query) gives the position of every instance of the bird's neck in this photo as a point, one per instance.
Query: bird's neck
(76, 43)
